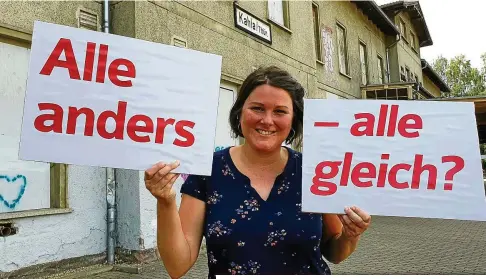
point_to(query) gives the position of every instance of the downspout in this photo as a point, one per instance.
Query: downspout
(110, 175)
(388, 56)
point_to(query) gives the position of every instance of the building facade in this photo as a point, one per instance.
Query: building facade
(336, 49)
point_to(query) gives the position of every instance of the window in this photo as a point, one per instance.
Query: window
(403, 28)
(407, 74)
(227, 97)
(317, 34)
(413, 41)
(43, 184)
(380, 70)
(342, 49)
(278, 12)
(363, 63)
(403, 76)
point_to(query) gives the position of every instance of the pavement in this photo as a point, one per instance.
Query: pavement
(392, 245)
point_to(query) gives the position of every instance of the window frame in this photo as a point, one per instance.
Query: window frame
(317, 32)
(346, 54)
(285, 15)
(403, 33)
(58, 172)
(381, 69)
(361, 43)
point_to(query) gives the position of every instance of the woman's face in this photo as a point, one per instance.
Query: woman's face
(266, 118)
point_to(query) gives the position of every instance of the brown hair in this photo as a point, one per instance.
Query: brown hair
(279, 78)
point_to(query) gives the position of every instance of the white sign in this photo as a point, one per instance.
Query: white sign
(106, 100)
(403, 158)
(249, 23)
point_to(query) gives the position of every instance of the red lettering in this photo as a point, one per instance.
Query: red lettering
(139, 128)
(101, 67)
(368, 125)
(419, 168)
(364, 174)
(56, 118)
(133, 128)
(73, 117)
(348, 157)
(325, 188)
(382, 120)
(88, 61)
(188, 136)
(119, 118)
(161, 124)
(392, 125)
(114, 72)
(63, 45)
(357, 174)
(382, 172)
(392, 177)
(403, 125)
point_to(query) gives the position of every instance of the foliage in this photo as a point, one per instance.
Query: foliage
(462, 78)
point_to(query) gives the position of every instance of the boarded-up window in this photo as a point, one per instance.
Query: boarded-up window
(363, 63)
(413, 41)
(317, 34)
(342, 49)
(380, 70)
(23, 185)
(278, 12)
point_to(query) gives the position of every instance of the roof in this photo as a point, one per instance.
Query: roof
(416, 15)
(377, 16)
(434, 77)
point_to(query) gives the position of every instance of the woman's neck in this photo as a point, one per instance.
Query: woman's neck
(257, 159)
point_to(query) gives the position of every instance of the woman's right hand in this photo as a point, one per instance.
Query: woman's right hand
(159, 181)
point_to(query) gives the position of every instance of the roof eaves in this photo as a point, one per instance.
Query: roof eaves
(435, 77)
(376, 15)
(401, 5)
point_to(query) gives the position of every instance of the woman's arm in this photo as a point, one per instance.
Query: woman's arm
(341, 233)
(179, 234)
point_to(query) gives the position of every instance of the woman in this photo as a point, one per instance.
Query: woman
(249, 209)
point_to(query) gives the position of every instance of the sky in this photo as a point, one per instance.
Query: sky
(456, 27)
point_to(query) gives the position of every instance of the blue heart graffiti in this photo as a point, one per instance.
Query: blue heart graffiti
(13, 203)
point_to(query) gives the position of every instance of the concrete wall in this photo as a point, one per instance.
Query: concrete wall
(54, 237)
(358, 27)
(211, 29)
(431, 86)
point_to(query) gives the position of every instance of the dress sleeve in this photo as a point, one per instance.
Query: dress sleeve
(195, 186)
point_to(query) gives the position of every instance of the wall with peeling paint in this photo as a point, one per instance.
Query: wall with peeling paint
(75, 232)
(52, 238)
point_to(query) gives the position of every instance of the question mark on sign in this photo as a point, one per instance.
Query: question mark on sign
(458, 166)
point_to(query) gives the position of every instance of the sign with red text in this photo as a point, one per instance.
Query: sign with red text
(392, 158)
(104, 100)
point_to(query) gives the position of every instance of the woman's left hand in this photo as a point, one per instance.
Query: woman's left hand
(355, 221)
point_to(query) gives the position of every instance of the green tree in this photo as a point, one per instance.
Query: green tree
(462, 78)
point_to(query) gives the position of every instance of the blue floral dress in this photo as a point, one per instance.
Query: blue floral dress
(248, 235)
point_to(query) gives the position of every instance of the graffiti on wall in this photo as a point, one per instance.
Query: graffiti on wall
(218, 148)
(12, 189)
(327, 49)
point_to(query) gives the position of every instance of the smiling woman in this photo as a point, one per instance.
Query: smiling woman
(249, 209)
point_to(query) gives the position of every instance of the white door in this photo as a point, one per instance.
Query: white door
(227, 97)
